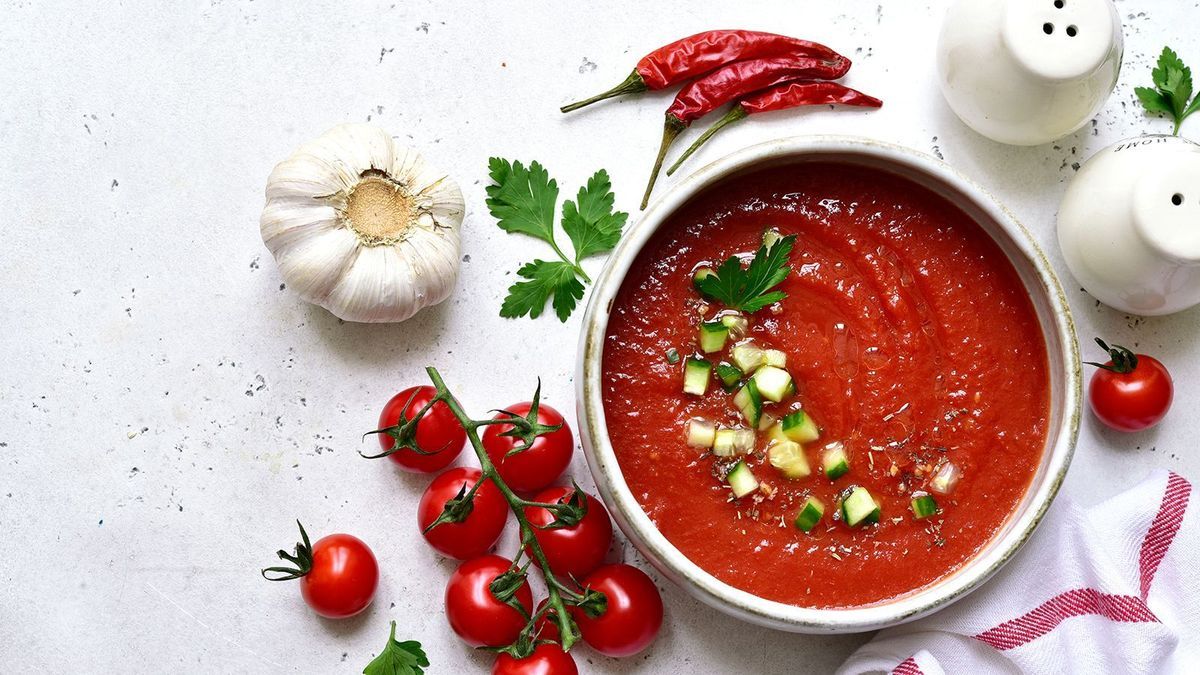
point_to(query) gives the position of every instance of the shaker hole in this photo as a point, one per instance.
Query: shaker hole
(1177, 199)
(1048, 28)
(1072, 31)
(1058, 4)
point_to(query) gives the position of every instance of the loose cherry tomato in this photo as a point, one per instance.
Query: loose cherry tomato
(546, 659)
(577, 550)
(338, 574)
(632, 616)
(1131, 391)
(474, 613)
(478, 532)
(438, 432)
(539, 466)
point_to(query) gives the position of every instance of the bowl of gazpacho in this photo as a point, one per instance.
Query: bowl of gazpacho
(828, 384)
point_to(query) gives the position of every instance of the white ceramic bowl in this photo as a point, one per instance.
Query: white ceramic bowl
(1053, 314)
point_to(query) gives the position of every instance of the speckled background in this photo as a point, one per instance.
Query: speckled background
(168, 408)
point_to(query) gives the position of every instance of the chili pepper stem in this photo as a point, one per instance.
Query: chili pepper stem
(632, 85)
(671, 130)
(737, 112)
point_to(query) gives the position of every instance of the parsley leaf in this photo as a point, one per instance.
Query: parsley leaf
(398, 658)
(546, 280)
(749, 289)
(523, 200)
(592, 225)
(1172, 89)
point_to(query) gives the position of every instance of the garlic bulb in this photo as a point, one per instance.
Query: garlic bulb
(362, 226)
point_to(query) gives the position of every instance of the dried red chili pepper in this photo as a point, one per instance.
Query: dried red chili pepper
(732, 82)
(698, 54)
(782, 97)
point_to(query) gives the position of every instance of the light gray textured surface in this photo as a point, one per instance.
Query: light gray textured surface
(167, 410)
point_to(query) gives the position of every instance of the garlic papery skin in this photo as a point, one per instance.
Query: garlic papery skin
(362, 226)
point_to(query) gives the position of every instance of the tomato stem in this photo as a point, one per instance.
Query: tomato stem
(568, 632)
(301, 559)
(1123, 360)
(404, 432)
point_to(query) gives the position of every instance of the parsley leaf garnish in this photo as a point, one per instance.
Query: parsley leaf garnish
(590, 221)
(749, 289)
(523, 200)
(399, 658)
(546, 278)
(1172, 89)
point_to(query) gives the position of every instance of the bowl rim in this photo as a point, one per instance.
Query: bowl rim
(642, 532)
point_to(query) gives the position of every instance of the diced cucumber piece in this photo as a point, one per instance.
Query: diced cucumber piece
(700, 274)
(789, 458)
(741, 479)
(835, 461)
(810, 514)
(775, 434)
(695, 376)
(776, 358)
(770, 236)
(672, 356)
(723, 442)
(766, 421)
(737, 325)
(701, 433)
(749, 402)
(713, 335)
(743, 441)
(923, 506)
(773, 383)
(728, 374)
(748, 357)
(945, 479)
(799, 427)
(859, 507)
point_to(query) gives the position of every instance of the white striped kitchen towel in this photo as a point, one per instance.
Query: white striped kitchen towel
(1111, 589)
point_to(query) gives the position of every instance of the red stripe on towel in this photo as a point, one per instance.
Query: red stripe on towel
(1163, 529)
(1047, 616)
(908, 667)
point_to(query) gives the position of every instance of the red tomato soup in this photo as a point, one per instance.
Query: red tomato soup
(910, 340)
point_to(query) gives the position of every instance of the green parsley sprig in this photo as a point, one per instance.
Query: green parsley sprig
(398, 658)
(1172, 92)
(748, 289)
(524, 200)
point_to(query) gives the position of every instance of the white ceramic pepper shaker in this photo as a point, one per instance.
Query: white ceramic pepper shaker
(1027, 72)
(1129, 225)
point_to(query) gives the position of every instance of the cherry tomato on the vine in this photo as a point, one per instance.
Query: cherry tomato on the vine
(571, 551)
(1131, 391)
(473, 611)
(546, 659)
(338, 574)
(544, 461)
(438, 432)
(547, 626)
(633, 612)
(478, 532)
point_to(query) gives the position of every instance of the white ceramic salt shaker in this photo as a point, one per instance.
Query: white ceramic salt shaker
(1129, 225)
(1027, 72)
